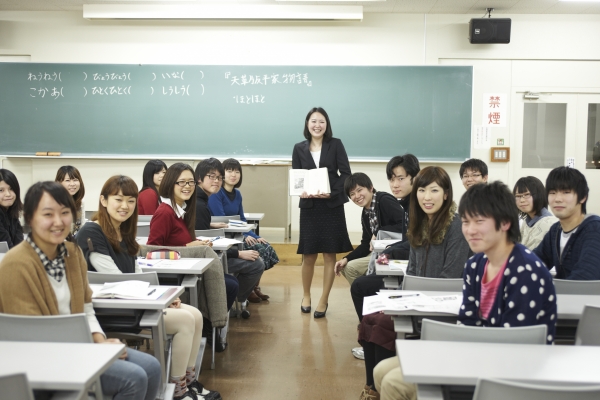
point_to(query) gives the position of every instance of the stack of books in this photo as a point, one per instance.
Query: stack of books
(237, 223)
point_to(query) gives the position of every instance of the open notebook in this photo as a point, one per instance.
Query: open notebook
(130, 290)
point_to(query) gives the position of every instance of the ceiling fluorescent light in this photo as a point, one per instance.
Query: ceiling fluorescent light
(225, 12)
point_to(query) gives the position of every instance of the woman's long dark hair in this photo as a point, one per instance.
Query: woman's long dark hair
(152, 167)
(167, 189)
(418, 217)
(7, 176)
(112, 187)
(328, 132)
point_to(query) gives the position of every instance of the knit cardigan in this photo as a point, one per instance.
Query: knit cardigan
(25, 288)
(534, 230)
(525, 295)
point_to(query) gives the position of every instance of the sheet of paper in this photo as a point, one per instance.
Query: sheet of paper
(220, 241)
(179, 264)
(398, 265)
(143, 262)
(482, 138)
(132, 290)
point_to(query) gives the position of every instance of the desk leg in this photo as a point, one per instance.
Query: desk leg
(257, 228)
(194, 293)
(429, 392)
(159, 337)
(402, 325)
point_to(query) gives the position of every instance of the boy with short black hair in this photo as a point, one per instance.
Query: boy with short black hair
(381, 211)
(505, 284)
(571, 244)
(472, 172)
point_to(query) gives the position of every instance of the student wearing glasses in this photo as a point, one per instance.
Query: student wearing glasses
(246, 264)
(472, 172)
(149, 200)
(228, 201)
(532, 202)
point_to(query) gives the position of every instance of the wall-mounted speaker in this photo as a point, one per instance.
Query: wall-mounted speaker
(489, 30)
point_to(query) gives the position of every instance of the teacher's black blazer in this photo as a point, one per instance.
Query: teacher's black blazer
(335, 159)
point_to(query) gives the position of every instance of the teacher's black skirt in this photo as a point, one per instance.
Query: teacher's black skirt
(323, 229)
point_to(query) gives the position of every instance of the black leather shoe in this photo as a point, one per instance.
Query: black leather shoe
(305, 310)
(321, 314)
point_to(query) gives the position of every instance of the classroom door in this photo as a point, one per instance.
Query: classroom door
(557, 129)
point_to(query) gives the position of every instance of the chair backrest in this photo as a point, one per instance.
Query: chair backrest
(144, 218)
(15, 387)
(143, 231)
(411, 282)
(225, 218)
(210, 232)
(3, 247)
(495, 389)
(563, 286)
(588, 329)
(54, 328)
(101, 278)
(434, 330)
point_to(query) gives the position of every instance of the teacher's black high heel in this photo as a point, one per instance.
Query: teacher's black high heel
(321, 314)
(305, 310)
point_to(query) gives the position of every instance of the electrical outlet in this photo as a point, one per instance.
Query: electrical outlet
(571, 162)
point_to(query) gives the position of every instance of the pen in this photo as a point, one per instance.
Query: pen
(403, 295)
(152, 291)
(215, 238)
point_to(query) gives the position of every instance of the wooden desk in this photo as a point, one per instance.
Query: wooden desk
(255, 218)
(569, 308)
(70, 367)
(154, 316)
(428, 362)
(189, 277)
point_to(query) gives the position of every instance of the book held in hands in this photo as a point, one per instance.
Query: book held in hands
(311, 181)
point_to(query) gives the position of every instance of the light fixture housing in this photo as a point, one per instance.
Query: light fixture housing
(222, 12)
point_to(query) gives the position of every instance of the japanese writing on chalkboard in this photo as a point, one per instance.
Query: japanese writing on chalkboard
(268, 79)
(255, 99)
(44, 76)
(42, 92)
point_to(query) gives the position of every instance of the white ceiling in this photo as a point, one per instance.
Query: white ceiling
(506, 7)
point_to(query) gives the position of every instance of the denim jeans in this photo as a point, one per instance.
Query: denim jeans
(137, 378)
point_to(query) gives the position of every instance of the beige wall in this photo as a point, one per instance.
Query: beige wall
(546, 51)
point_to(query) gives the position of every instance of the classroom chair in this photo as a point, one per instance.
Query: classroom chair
(588, 329)
(563, 286)
(15, 387)
(495, 389)
(144, 218)
(434, 330)
(212, 299)
(143, 231)
(224, 218)
(240, 309)
(3, 247)
(419, 283)
(56, 328)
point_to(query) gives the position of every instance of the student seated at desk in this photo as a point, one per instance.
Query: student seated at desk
(438, 249)
(571, 244)
(228, 201)
(70, 178)
(44, 275)
(505, 284)
(109, 246)
(11, 230)
(246, 264)
(472, 172)
(149, 200)
(381, 212)
(532, 202)
(173, 222)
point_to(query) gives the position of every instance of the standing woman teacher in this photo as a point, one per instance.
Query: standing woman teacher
(322, 218)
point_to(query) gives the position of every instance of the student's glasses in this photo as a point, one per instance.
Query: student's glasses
(214, 177)
(186, 183)
(466, 177)
(524, 196)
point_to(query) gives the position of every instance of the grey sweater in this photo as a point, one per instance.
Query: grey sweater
(445, 260)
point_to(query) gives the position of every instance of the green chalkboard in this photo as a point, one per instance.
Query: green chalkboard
(195, 111)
